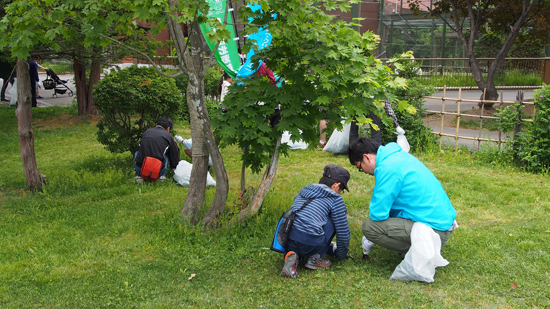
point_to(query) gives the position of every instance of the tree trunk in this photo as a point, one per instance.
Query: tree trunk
(95, 75)
(197, 183)
(488, 87)
(191, 61)
(35, 180)
(263, 188)
(209, 142)
(84, 87)
(79, 68)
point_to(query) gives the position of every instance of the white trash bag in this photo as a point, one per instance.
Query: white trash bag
(285, 139)
(423, 256)
(402, 140)
(13, 92)
(188, 143)
(182, 175)
(338, 141)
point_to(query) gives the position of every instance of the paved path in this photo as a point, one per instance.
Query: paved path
(431, 104)
(450, 140)
(47, 95)
(451, 106)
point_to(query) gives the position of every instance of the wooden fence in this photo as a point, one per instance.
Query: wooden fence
(499, 136)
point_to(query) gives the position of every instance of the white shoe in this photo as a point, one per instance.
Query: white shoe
(162, 178)
(138, 179)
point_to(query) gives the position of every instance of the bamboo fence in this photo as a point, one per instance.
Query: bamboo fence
(481, 116)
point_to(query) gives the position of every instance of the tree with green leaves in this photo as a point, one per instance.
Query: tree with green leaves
(131, 101)
(469, 19)
(328, 68)
(30, 24)
(328, 72)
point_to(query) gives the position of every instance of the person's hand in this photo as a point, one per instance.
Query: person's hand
(179, 139)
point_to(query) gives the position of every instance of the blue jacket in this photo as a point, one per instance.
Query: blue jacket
(406, 188)
(310, 221)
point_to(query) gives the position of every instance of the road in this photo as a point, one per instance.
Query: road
(451, 106)
(47, 95)
(435, 105)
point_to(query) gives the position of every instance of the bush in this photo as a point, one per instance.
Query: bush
(131, 101)
(531, 147)
(419, 136)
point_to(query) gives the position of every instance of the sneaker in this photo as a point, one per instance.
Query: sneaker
(291, 262)
(162, 178)
(138, 179)
(316, 261)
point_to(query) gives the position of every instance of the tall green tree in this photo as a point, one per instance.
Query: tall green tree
(28, 24)
(328, 72)
(470, 18)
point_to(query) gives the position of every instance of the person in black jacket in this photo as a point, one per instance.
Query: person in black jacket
(158, 143)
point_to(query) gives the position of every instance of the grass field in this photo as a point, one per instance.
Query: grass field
(94, 239)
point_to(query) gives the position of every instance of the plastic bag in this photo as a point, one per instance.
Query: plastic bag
(339, 141)
(423, 256)
(13, 93)
(182, 175)
(402, 140)
(188, 143)
(293, 145)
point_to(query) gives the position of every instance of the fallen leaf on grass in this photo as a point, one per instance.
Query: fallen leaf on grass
(192, 276)
(514, 285)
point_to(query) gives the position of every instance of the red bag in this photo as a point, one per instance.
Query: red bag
(150, 168)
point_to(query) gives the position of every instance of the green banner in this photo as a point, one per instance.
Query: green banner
(227, 53)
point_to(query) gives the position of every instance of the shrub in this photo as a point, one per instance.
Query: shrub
(419, 136)
(131, 101)
(531, 147)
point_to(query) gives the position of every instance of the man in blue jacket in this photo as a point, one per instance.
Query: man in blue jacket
(405, 192)
(316, 223)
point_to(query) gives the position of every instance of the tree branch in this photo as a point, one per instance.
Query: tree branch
(156, 66)
(132, 48)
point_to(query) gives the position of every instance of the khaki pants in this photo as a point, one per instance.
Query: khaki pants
(395, 233)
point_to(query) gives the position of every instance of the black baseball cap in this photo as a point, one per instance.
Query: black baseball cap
(338, 174)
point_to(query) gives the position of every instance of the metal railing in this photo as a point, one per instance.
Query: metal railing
(456, 71)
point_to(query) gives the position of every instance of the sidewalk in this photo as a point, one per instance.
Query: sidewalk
(435, 105)
(451, 106)
(47, 99)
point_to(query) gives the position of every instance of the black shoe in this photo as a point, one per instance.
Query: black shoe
(4, 99)
(39, 97)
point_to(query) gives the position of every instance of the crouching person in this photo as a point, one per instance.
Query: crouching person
(316, 224)
(405, 192)
(157, 145)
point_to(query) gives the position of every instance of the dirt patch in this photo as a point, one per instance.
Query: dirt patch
(65, 121)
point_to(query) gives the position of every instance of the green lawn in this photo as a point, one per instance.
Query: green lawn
(94, 239)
